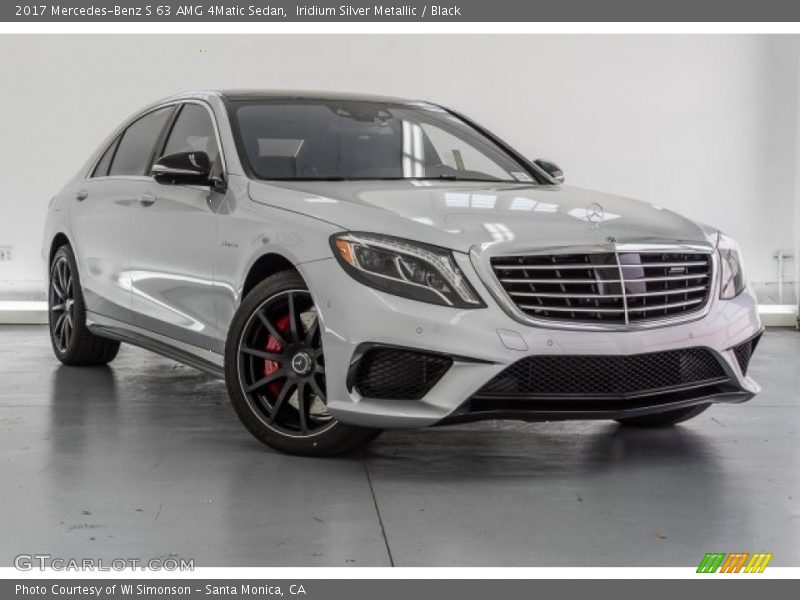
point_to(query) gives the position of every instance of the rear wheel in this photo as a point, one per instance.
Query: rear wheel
(73, 343)
(665, 419)
(275, 372)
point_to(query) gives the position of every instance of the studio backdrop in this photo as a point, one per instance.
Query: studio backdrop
(704, 125)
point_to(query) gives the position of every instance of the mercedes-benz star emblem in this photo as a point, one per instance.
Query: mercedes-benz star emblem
(301, 363)
(594, 214)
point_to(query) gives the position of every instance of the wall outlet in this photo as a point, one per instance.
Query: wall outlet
(5, 253)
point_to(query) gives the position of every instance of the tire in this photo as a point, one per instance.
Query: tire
(665, 419)
(73, 343)
(274, 372)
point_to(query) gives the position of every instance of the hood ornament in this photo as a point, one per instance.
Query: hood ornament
(595, 215)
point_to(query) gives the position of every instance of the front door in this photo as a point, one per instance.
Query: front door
(173, 242)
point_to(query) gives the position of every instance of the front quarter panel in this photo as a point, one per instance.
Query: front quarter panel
(249, 231)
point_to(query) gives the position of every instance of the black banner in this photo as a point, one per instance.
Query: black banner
(731, 587)
(402, 11)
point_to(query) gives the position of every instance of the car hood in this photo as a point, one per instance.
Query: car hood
(462, 215)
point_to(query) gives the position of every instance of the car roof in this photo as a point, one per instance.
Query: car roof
(307, 95)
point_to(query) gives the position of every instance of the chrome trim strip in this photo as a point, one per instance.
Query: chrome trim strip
(161, 170)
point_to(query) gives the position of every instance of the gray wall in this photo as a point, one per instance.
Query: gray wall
(706, 125)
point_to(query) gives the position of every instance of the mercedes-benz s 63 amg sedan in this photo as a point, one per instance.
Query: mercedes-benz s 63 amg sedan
(353, 263)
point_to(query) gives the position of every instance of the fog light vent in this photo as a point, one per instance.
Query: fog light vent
(398, 373)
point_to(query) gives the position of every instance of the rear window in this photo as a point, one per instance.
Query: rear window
(101, 170)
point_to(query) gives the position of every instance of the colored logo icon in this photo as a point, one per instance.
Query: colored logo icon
(737, 562)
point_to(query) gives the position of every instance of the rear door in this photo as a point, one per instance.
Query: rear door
(101, 216)
(174, 240)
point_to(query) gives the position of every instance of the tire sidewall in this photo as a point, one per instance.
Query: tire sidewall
(79, 308)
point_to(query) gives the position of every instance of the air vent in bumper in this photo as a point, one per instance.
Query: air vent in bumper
(744, 352)
(606, 376)
(397, 373)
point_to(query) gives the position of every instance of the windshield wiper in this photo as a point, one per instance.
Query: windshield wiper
(332, 178)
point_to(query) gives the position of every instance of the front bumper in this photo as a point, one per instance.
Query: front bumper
(484, 342)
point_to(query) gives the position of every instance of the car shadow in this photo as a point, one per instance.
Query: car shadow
(509, 449)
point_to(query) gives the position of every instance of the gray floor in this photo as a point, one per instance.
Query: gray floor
(146, 459)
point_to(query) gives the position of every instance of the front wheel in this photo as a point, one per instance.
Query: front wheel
(665, 419)
(275, 372)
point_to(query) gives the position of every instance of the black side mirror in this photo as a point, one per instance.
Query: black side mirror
(188, 168)
(551, 169)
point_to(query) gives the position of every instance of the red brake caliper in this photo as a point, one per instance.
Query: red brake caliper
(272, 345)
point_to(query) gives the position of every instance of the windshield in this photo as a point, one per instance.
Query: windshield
(287, 139)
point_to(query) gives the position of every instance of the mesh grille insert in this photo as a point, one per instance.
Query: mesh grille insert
(584, 375)
(607, 287)
(744, 352)
(399, 374)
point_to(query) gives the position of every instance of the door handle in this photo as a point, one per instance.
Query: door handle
(147, 199)
(81, 195)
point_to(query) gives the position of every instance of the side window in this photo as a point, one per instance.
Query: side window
(193, 130)
(137, 143)
(101, 170)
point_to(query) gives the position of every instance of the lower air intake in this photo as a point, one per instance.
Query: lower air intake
(744, 352)
(606, 376)
(398, 374)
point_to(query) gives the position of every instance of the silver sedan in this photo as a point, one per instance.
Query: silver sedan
(352, 263)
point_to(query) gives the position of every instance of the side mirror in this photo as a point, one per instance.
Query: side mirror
(551, 169)
(189, 168)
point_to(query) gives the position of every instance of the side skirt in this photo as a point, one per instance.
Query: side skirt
(191, 356)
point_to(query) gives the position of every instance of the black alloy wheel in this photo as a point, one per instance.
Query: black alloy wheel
(73, 343)
(62, 303)
(276, 373)
(281, 365)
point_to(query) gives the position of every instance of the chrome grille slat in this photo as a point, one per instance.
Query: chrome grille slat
(585, 266)
(665, 306)
(620, 288)
(561, 281)
(627, 279)
(571, 309)
(690, 290)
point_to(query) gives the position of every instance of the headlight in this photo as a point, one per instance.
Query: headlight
(731, 267)
(404, 268)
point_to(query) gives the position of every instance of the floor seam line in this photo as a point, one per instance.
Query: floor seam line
(377, 510)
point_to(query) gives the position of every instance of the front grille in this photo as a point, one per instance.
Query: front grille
(606, 375)
(744, 352)
(607, 287)
(398, 374)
